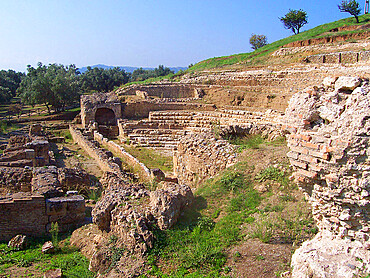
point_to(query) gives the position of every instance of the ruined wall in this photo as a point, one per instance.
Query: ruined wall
(330, 150)
(22, 216)
(130, 160)
(91, 103)
(14, 179)
(141, 109)
(348, 57)
(201, 156)
(98, 154)
(32, 215)
(166, 90)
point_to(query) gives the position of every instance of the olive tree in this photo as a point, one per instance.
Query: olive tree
(294, 20)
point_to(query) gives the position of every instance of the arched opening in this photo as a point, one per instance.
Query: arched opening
(105, 116)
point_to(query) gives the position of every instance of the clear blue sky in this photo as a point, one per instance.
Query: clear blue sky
(142, 32)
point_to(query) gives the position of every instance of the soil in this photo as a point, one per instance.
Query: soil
(253, 259)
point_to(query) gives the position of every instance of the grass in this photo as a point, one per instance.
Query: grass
(6, 127)
(219, 62)
(72, 263)
(150, 158)
(227, 210)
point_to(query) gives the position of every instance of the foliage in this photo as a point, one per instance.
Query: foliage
(352, 7)
(294, 20)
(142, 74)
(54, 231)
(9, 83)
(103, 80)
(72, 263)
(257, 41)
(54, 86)
(247, 142)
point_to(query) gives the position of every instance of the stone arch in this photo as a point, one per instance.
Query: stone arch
(105, 116)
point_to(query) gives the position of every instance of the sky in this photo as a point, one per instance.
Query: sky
(143, 33)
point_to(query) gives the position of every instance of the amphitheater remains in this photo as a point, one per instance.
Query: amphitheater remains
(321, 106)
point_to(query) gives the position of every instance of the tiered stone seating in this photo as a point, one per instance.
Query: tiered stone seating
(163, 129)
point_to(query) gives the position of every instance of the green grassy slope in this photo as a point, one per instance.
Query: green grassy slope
(316, 32)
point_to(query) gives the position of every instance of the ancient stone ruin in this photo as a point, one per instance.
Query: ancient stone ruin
(33, 191)
(329, 145)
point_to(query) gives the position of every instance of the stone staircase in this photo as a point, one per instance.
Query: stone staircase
(163, 129)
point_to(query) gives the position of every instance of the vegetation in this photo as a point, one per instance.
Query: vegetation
(141, 74)
(227, 210)
(260, 54)
(257, 41)
(352, 7)
(151, 158)
(294, 20)
(9, 83)
(102, 80)
(72, 263)
(54, 86)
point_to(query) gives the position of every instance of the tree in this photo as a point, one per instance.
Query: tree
(352, 7)
(103, 80)
(9, 83)
(257, 41)
(294, 20)
(54, 86)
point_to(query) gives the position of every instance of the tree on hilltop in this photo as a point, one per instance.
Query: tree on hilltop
(352, 7)
(257, 41)
(294, 20)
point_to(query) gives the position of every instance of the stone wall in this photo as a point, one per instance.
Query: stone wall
(166, 90)
(330, 146)
(199, 157)
(130, 160)
(141, 109)
(92, 150)
(91, 103)
(348, 57)
(32, 215)
(22, 216)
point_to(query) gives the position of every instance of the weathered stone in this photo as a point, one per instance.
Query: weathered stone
(168, 202)
(335, 177)
(48, 248)
(329, 81)
(347, 83)
(19, 242)
(35, 130)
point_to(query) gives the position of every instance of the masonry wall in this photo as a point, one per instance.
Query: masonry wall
(130, 160)
(199, 157)
(141, 109)
(348, 57)
(96, 153)
(23, 216)
(168, 90)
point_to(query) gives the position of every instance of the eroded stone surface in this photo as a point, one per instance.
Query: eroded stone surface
(329, 150)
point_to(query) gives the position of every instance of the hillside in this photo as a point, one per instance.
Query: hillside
(260, 56)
